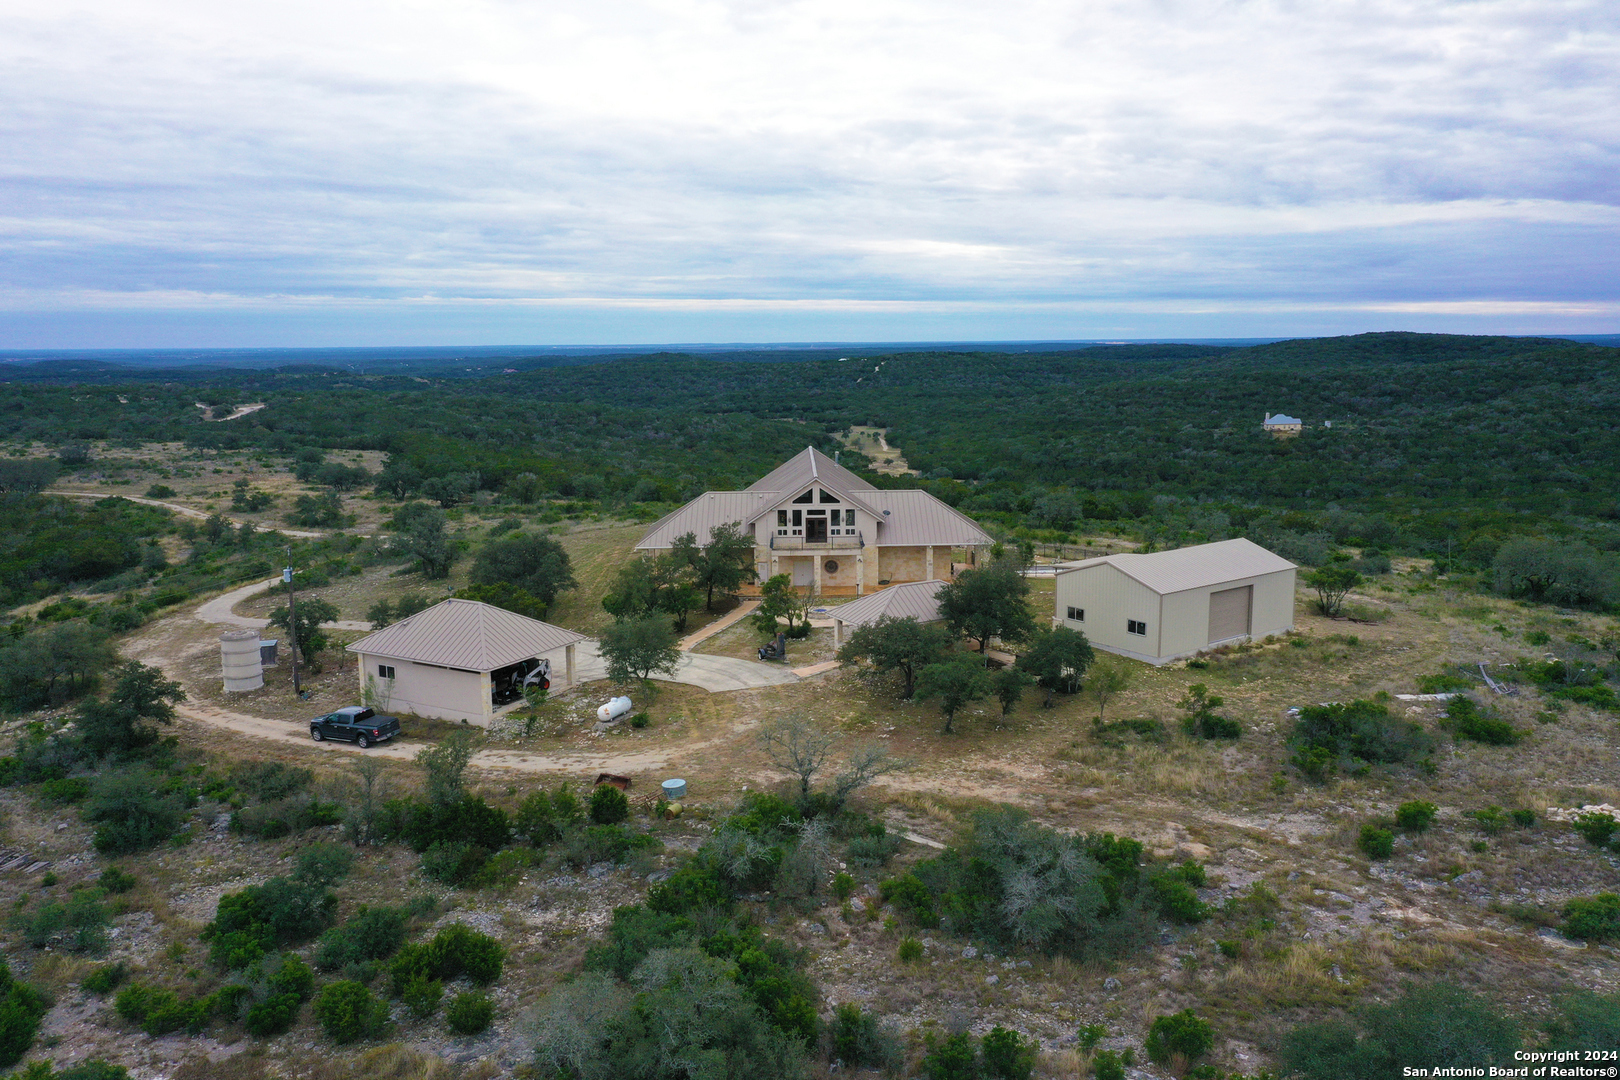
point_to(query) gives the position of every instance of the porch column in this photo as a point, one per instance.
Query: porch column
(568, 664)
(928, 563)
(838, 632)
(815, 575)
(486, 706)
(860, 572)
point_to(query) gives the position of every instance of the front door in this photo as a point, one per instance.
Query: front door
(815, 529)
(804, 572)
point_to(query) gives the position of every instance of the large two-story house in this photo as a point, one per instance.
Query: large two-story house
(832, 531)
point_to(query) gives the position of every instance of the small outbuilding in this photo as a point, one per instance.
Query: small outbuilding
(912, 600)
(454, 659)
(1167, 605)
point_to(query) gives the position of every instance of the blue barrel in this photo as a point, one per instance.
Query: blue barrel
(674, 790)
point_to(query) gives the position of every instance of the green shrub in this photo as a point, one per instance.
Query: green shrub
(252, 922)
(911, 950)
(94, 1069)
(872, 852)
(21, 1009)
(1596, 828)
(609, 805)
(858, 1041)
(347, 1011)
(1229, 949)
(422, 995)
(273, 1016)
(1201, 719)
(956, 1057)
(1107, 1066)
(1445, 682)
(1376, 842)
(372, 933)
(105, 978)
(132, 812)
(1089, 1036)
(160, 1011)
(324, 864)
(640, 720)
(1415, 816)
(70, 790)
(536, 822)
(1523, 817)
(1428, 1027)
(1585, 1021)
(1183, 1033)
(911, 899)
(1468, 721)
(1490, 820)
(469, 1014)
(116, 881)
(1348, 736)
(1177, 899)
(79, 924)
(1008, 1055)
(504, 868)
(604, 843)
(270, 781)
(1593, 918)
(843, 886)
(453, 863)
(459, 950)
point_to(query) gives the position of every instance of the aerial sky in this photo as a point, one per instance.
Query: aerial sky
(189, 173)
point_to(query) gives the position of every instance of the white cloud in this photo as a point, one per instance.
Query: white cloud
(1347, 155)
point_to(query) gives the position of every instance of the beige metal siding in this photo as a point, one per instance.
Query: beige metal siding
(1110, 599)
(428, 691)
(1229, 612)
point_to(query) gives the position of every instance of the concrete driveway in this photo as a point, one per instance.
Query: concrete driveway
(706, 672)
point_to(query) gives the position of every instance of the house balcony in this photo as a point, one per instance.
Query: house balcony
(850, 540)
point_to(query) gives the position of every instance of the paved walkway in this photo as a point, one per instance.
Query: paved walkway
(725, 622)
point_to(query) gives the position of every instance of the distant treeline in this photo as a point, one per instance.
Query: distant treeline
(1438, 444)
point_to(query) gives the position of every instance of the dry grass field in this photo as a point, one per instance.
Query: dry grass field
(1310, 923)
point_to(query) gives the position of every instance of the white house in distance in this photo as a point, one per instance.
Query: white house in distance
(1282, 424)
(446, 661)
(1170, 604)
(836, 534)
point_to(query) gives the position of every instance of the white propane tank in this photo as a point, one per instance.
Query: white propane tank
(614, 709)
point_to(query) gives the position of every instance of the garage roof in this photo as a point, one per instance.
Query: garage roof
(466, 635)
(1192, 567)
(914, 600)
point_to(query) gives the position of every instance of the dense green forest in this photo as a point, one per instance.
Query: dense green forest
(1438, 445)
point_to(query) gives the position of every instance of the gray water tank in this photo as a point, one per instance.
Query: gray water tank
(674, 790)
(239, 658)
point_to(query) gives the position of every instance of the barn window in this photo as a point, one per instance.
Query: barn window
(385, 671)
(1132, 626)
(1077, 614)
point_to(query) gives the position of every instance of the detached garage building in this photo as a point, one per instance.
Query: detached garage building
(1171, 604)
(447, 661)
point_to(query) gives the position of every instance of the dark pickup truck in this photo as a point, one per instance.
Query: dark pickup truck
(355, 724)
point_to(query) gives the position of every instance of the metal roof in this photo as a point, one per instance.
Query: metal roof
(1193, 567)
(914, 600)
(703, 515)
(906, 518)
(1282, 419)
(913, 518)
(466, 635)
(801, 469)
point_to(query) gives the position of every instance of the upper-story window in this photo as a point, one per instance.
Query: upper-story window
(827, 497)
(809, 496)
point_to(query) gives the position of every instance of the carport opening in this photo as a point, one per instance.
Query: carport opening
(507, 684)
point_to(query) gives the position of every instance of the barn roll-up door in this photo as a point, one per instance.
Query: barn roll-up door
(1229, 613)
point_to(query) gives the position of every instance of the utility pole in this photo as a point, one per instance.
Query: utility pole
(292, 619)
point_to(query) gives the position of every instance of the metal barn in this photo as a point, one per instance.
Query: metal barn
(1172, 604)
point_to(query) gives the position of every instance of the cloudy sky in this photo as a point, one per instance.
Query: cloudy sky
(181, 172)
